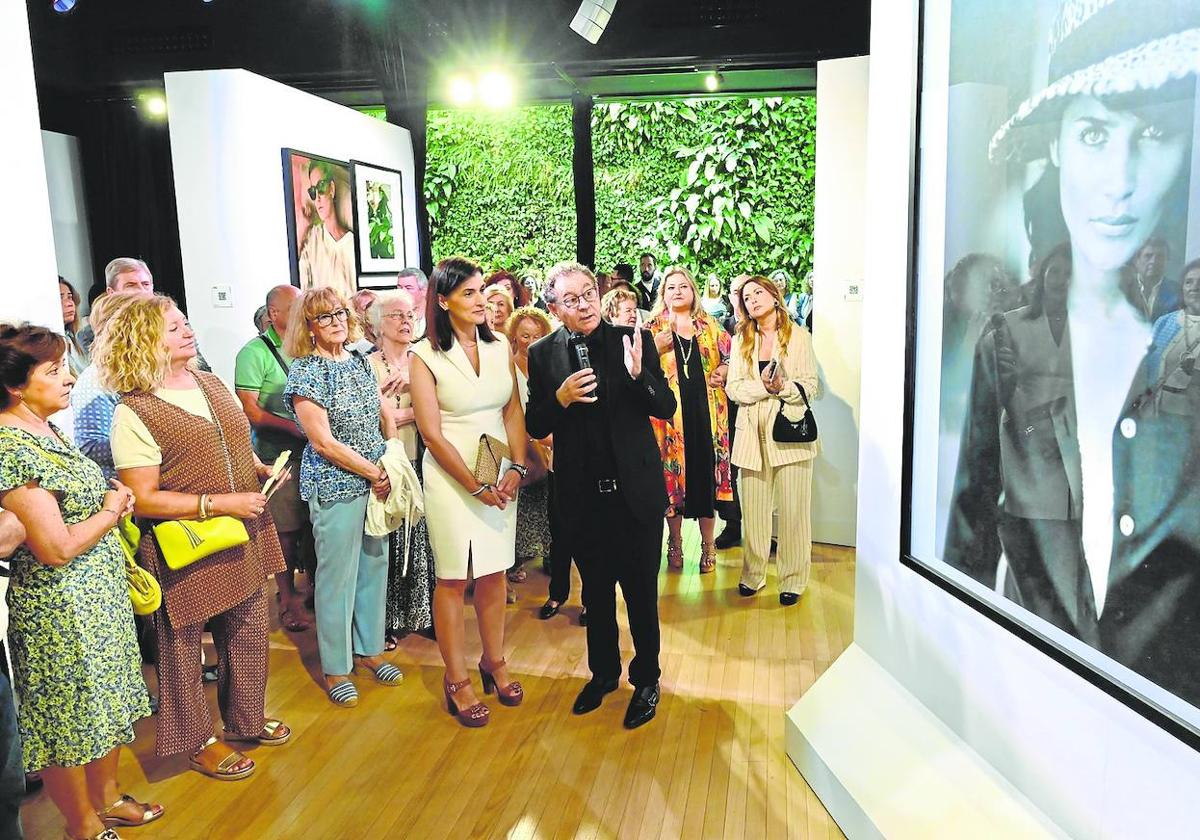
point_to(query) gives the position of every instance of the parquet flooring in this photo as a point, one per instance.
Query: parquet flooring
(712, 764)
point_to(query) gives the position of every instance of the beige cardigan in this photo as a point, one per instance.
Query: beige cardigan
(758, 408)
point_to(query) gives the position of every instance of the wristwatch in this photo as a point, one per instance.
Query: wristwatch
(521, 469)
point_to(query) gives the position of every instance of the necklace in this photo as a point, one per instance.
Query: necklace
(387, 370)
(685, 350)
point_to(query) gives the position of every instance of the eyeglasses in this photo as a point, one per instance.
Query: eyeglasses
(573, 301)
(322, 187)
(411, 317)
(327, 318)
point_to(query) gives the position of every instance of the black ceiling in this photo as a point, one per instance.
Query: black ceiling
(107, 47)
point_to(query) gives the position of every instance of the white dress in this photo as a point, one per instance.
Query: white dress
(471, 405)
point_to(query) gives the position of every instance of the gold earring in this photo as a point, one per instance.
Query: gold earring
(312, 339)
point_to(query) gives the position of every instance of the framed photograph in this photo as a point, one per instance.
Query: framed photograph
(379, 219)
(1052, 452)
(320, 221)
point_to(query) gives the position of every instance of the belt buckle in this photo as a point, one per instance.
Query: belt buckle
(607, 485)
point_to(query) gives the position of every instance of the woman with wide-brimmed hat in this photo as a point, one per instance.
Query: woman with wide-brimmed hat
(1045, 433)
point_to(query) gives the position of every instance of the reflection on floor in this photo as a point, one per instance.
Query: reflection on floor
(711, 765)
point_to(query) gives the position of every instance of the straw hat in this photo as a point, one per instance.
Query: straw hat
(1101, 48)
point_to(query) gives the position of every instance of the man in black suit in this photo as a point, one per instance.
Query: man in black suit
(608, 476)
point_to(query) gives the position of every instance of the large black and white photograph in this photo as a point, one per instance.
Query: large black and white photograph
(1055, 462)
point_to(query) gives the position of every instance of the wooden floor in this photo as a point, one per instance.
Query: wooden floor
(712, 764)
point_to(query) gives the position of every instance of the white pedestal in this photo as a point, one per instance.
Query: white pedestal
(884, 766)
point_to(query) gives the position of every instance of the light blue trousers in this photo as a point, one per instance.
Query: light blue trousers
(351, 583)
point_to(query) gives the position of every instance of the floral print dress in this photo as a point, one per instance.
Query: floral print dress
(77, 670)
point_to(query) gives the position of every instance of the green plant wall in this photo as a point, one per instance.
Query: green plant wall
(724, 186)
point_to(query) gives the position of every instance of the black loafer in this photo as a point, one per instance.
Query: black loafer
(549, 610)
(729, 537)
(745, 591)
(788, 598)
(642, 707)
(583, 617)
(591, 695)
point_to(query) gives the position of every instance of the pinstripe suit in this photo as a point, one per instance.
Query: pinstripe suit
(774, 475)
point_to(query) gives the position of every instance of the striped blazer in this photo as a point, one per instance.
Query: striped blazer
(758, 408)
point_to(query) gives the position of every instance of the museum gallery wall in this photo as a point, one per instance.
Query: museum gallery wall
(1053, 474)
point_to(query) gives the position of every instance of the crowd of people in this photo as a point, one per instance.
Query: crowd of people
(384, 461)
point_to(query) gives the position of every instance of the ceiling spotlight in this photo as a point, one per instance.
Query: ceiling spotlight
(712, 82)
(496, 89)
(591, 19)
(63, 6)
(462, 91)
(155, 105)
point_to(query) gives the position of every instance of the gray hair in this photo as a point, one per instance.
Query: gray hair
(422, 280)
(384, 299)
(561, 270)
(120, 266)
(259, 314)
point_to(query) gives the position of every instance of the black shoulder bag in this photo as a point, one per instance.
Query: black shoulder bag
(803, 430)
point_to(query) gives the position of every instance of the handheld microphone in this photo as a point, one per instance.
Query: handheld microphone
(580, 358)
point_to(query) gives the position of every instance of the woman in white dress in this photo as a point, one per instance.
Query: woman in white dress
(463, 387)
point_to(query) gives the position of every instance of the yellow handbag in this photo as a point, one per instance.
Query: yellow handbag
(182, 542)
(144, 591)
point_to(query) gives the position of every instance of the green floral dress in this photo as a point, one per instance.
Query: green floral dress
(77, 669)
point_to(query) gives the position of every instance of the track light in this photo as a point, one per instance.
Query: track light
(496, 89)
(713, 81)
(462, 91)
(592, 18)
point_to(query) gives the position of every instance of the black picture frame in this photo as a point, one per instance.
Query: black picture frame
(367, 263)
(1089, 672)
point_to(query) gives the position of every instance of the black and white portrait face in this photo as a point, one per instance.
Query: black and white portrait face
(1059, 205)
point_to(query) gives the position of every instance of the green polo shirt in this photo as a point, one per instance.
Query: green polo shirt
(257, 369)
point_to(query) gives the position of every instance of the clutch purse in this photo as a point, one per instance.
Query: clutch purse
(803, 430)
(491, 452)
(184, 541)
(144, 591)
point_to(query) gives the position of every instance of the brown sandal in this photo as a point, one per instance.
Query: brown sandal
(149, 813)
(708, 558)
(201, 762)
(510, 695)
(473, 716)
(675, 555)
(270, 736)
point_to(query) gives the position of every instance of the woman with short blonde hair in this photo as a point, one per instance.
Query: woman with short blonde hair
(181, 442)
(336, 399)
(611, 308)
(694, 444)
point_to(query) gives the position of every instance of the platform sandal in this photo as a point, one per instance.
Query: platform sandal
(274, 733)
(223, 769)
(474, 716)
(510, 695)
(149, 813)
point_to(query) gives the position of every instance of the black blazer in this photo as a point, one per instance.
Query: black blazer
(628, 405)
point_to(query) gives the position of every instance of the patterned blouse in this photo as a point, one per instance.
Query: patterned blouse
(349, 393)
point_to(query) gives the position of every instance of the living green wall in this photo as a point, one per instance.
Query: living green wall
(722, 185)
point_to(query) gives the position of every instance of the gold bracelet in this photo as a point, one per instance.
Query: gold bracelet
(203, 506)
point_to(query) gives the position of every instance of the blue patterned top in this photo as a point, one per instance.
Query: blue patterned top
(349, 393)
(94, 407)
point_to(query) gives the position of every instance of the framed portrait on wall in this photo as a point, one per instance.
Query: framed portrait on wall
(320, 221)
(378, 219)
(1052, 455)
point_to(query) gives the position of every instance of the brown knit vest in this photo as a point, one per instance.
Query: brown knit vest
(193, 461)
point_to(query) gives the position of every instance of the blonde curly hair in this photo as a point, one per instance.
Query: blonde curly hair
(299, 341)
(130, 352)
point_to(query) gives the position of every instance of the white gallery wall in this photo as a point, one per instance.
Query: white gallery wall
(68, 212)
(1091, 765)
(31, 293)
(839, 248)
(227, 130)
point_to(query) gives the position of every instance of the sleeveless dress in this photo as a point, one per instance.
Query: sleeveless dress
(461, 528)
